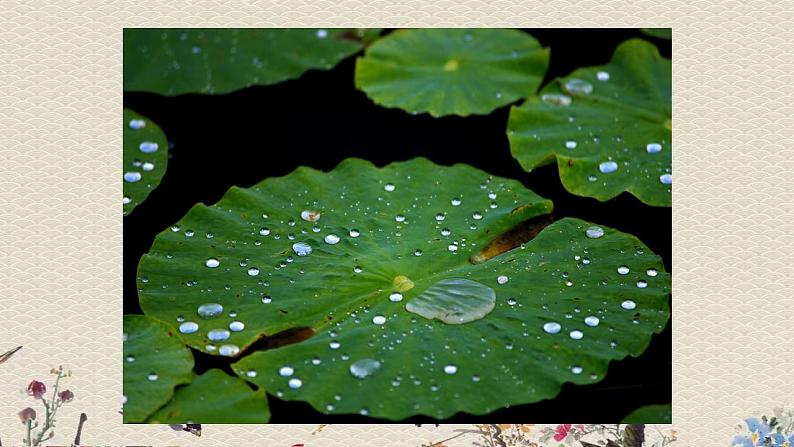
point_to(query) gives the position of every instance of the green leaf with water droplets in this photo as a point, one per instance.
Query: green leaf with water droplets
(145, 158)
(307, 280)
(608, 128)
(222, 60)
(451, 71)
(155, 361)
(214, 398)
(650, 414)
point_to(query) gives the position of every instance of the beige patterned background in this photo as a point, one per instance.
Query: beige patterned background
(61, 224)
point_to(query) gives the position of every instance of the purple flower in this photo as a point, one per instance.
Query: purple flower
(66, 396)
(36, 389)
(28, 414)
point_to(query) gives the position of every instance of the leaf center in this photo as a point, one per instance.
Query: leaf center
(452, 65)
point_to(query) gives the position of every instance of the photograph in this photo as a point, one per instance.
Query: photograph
(380, 226)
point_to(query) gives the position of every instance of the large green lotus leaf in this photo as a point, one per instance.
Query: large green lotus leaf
(221, 60)
(651, 414)
(155, 361)
(451, 71)
(215, 398)
(662, 33)
(386, 240)
(145, 158)
(608, 128)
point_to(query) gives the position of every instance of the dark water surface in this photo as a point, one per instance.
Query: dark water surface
(320, 119)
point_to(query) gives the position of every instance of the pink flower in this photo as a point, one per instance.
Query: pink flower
(36, 389)
(66, 396)
(561, 431)
(28, 414)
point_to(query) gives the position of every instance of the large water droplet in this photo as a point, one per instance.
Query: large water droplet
(188, 327)
(578, 86)
(623, 270)
(628, 305)
(556, 99)
(236, 326)
(310, 216)
(388, 187)
(379, 319)
(253, 271)
(666, 179)
(137, 124)
(218, 334)
(209, 310)
(301, 248)
(450, 369)
(608, 167)
(454, 301)
(295, 383)
(286, 371)
(591, 321)
(228, 350)
(147, 147)
(653, 148)
(132, 176)
(502, 279)
(576, 334)
(552, 327)
(396, 297)
(212, 263)
(594, 232)
(363, 368)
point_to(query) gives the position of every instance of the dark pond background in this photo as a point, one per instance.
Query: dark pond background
(320, 119)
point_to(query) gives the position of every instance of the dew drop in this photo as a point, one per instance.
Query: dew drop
(477, 215)
(628, 305)
(453, 248)
(137, 124)
(236, 326)
(399, 218)
(440, 217)
(450, 369)
(264, 231)
(502, 279)
(310, 216)
(126, 200)
(552, 327)
(642, 284)
(396, 297)
(608, 167)
(578, 86)
(576, 334)
(602, 76)
(218, 334)
(594, 232)
(286, 371)
(212, 263)
(653, 148)
(301, 248)
(354, 233)
(132, 176)
(576, 369)
(379, 319)
(651, 272)
(321, 34)
(152, 377)
(363, 368)
(417, 252)
(556, 99)
(623, 270)
(266, 299)
(331, 239)
(358, 269)
(591, 321)
(512, 301)
(148, 147)
(209, 310)
(253, 271)
(455, 202)
(570, 144)
(250, 373)
(130, 358)
(388, 187)
(445, 232)
(334, 345)
(666, 179)
(295, 383)
(188, 327)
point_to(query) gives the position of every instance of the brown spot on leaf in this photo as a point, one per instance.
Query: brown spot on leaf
(512, 238)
